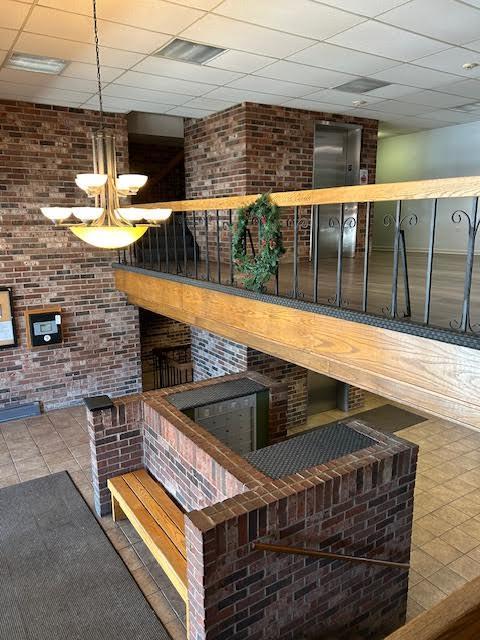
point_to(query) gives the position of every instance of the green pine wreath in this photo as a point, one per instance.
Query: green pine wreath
(258, 270)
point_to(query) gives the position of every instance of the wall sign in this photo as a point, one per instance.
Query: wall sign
(8, 337)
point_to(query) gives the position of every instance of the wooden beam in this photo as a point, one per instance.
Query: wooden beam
(438, 378)
(455, 618)
(414, 190)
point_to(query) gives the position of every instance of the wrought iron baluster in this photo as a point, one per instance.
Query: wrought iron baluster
(167, 265)
(338, 288)
(207, 252)
(230, 226)
(396, 249)
(118, 256)
(150, 249)
(195, 263)
(316, 242)
(175, 250)
(184, 234)
(219, 266)
(124, 256)
(130, 253)
(431, 247)
(366, 256)
(157, 244)
(295, 253)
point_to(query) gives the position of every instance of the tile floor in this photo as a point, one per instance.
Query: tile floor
(446, 532)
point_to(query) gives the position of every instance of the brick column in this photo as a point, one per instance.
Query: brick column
(116, 445)
(350, 397)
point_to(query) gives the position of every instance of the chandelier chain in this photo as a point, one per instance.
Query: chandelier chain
(97, 54)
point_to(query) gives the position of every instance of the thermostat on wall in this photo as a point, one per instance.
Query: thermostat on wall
(44, 326)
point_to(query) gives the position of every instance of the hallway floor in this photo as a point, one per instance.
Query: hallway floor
(446, 534)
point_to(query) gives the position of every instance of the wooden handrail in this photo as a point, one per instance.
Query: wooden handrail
(416, 190)
(314, 553)
(457, 617)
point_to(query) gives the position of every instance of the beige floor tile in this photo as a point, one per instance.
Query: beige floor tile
(413, 609)
(9, 481)
(414, 578)
(460, 540)
(129, 556)
(435, 525)
(145, 581)
(447, 580)
(423, 563)
(439, 474)
(444, 493)
(431, 458)
(420, 536)
(161, 606)
(31, 464)
(475, 554)
(118, 538)
(467, 505)
(451, 515)
(471, 527)
(466, 567)
(176, 629)
(7, 470)
(427, 502)
(441, 551)
(426, 594)
(472, 477)
(424, 483)
(459, 487)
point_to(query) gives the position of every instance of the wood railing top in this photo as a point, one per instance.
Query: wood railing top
(455, 618)
(415, 190)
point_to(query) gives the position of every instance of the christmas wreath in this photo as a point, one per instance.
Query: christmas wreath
(257, 270)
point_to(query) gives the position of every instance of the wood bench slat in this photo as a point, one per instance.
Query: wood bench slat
(161, 497)
(160, 545)
(160, 515)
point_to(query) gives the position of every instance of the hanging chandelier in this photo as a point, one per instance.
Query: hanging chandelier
(107, 225)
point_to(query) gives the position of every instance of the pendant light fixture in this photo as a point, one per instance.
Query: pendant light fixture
(106, 224)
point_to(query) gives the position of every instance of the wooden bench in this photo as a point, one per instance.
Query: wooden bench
(157, 519)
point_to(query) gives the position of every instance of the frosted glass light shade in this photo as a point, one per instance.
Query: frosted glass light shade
(130, 183)
(109, 237)
(132, 214)
(86, 214)
(92, 183)
(56, 214)
(156, 215)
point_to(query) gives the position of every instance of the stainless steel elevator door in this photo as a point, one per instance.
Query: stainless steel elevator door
(336, 163)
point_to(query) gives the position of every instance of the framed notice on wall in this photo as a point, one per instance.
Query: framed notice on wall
(7, 324)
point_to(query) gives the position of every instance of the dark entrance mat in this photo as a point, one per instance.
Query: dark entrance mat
(60, 577)
(388, 418)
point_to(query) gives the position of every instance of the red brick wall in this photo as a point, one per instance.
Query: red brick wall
(42, 148)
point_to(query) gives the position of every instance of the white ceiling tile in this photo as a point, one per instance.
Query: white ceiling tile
(358, 112)
(2, 56)
(126, 105)
(46, 80)
(451, 61)
(284, 70)
(223, 32)
(241, 95)
(189, 112)
(149, 95)
(370, 8)
(37, 92)
(393, 91)
(311, 105)
(330, 56)
(414, 76)
(464, 88)
(7, 38)
(76, 51)
(475, 45)
(76, 27)
(434, 99)
(443, 19)
(302, 17)
(89, 71)
(402, 108)
(154, 15)
(185, 71)
(239, 61)
(454, 116)
(277, 87)
(206, 5)
(13, 14)
(473, 3)
(342, 97)
(210, 104)
(189, 88)
(385, 40)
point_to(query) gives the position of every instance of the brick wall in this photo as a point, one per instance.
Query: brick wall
(213, 356)
(361, 504)
(42, 149)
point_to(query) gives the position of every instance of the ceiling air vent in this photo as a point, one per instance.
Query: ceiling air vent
(37, 64)
(362, 85)
(186, 51)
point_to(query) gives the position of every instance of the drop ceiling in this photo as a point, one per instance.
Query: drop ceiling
(286, 52)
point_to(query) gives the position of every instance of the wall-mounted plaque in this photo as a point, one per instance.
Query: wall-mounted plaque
(7, 324)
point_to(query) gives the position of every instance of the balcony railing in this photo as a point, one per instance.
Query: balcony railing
(402, 255)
